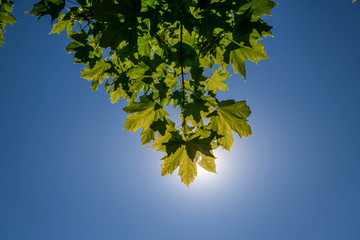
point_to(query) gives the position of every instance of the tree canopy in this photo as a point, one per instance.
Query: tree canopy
(153, 54)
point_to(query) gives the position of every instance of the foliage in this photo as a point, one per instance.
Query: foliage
(155, 53)
(6, 7)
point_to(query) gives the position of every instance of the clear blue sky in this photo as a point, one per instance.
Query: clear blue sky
(69, 171)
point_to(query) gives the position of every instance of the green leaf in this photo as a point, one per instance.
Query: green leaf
(174, 143)
(198, 144)
(192, 145)
(159, 141)
(144, 114)
(170, 163)
(259, 7)
(48, 7)
(226, 141)
(97, 72)
(147, 135)
(230, 115)
(5, 18)
(116, 94)
(189, 54)
(263, 7)
(115, 33)
(62, 25)
(187, 167)
(192, 111)
(120, 21)
(238, 55)
(209, 22)
(245, 26)
(207, 163)
(138, 71)
(147, 3)
(215, 82)
(144, 46)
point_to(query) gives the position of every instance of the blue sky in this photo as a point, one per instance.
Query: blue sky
(68, 170)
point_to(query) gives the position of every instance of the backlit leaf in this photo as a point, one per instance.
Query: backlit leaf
(48, 7)
(97, 73)
(207, 163)
(187, 167)
(215, 82)
(144, 114)
(230, 115)
(254, 53)
(62, 25)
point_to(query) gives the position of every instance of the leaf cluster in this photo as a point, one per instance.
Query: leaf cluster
(154, 54)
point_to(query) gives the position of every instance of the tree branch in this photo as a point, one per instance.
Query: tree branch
(182, 74)
(181, 63)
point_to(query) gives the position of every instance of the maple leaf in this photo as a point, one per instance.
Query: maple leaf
(207, 163)
(259, 7)
(97, 73)
(62, 24)
(197, 144)
(144, 114)
(185, 153)
(120, 21)
(245, 26)
(193, 111)
(48, 7)
(171, 162)
(226, 140)
(230, 115)
(215, 81)
(238, 55)
(187, 167)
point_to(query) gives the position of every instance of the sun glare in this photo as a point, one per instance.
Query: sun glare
(223, 163)
(201, 172)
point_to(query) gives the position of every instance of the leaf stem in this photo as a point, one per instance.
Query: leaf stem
(182, 73)
(181, 62)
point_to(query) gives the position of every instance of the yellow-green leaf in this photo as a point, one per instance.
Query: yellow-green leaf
(170, 163)
(226, 141)
(254, 53)
(96, 73)
(147, 135)
(45, 7)
(230, 115)
(115, 95)
(207, 163)
(144, 114)
(187, 167)
(215, 82)
(62, 25)
(140, 119)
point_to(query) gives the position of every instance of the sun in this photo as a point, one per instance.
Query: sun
(201, 172)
